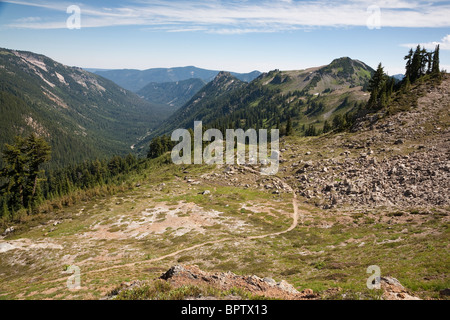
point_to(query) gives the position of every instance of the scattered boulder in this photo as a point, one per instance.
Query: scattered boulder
(8, 231)
(362, 182)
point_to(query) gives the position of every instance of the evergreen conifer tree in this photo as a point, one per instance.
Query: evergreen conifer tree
(435, 67)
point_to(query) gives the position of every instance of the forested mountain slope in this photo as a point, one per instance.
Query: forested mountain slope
(171, 94)
(81, 114)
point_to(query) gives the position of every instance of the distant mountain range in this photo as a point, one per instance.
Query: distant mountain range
(134, 80)
(81, 114)
(398, 77)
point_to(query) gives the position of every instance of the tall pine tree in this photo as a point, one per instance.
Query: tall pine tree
(435, 68)
(378, 88)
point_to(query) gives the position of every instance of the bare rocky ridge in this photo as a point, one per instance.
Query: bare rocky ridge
(192, 275)
(180, 275)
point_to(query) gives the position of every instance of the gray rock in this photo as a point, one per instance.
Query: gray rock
(285, 286)
(393, 282)
(270, 281)
(8, 231)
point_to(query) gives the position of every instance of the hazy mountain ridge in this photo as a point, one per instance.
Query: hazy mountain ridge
(135, 80)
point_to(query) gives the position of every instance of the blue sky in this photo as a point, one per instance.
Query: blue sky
(228, 35)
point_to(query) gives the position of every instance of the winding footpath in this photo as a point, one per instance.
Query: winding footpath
(295, 221)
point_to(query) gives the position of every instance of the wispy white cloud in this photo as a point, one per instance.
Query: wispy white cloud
(233, 17)
(444, 44)
(188, 29)
(29, 19)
